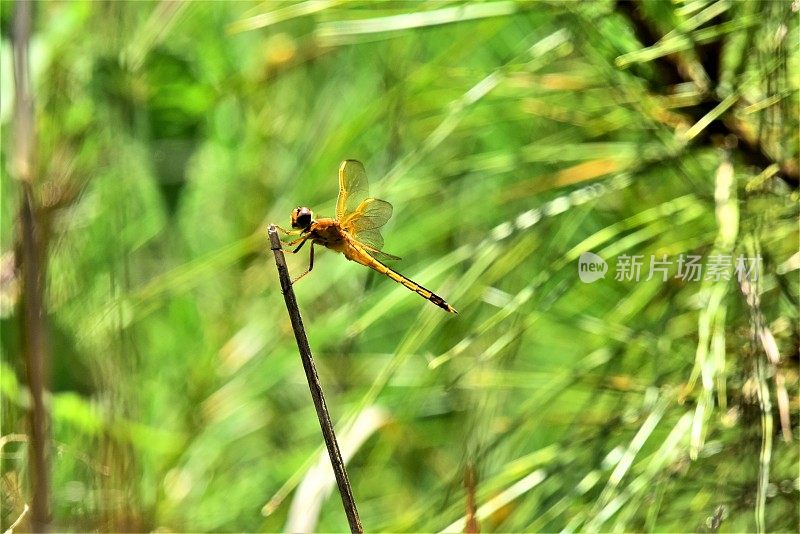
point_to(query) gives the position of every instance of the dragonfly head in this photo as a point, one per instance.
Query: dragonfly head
(302, 218)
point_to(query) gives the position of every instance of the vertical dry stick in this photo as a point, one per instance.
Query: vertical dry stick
(471, 524)
(314, 384)
(31, 257)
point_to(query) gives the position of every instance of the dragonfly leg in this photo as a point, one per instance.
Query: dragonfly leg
(295, 251)
(310, 262)
(288, 232)
(290, 244)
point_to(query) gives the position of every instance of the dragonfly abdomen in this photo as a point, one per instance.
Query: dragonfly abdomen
(361, 256)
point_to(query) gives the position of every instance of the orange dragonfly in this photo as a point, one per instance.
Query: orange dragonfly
(355, 231)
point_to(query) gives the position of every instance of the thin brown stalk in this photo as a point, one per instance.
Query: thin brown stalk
(314, 385)
(31, 258)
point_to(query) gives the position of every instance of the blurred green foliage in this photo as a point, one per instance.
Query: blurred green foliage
(510, 137)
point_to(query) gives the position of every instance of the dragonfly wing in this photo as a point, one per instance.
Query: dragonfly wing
(370, 214)
(359, 216)
(353, 187)
(372, 238)
(372, 242)
(364, 225)
(382, 256)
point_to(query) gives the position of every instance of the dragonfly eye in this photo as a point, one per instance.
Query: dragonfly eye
(301, 218)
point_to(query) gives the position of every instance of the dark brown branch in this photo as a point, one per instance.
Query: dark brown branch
(35, 354)
(31, 256)
(672, 69)
(314, 385)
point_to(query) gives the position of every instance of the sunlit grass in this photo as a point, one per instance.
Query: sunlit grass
(510, 138)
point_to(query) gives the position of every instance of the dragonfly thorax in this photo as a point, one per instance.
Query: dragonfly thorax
(302, 218)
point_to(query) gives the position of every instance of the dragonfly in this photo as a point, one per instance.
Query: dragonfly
(355, 231)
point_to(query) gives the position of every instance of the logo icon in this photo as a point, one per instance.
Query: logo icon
(591, 267)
